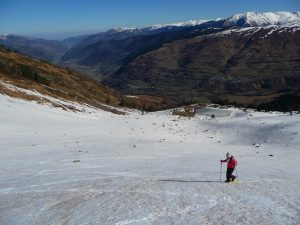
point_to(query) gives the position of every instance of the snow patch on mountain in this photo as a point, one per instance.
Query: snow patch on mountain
(49, 101)
(246, 31)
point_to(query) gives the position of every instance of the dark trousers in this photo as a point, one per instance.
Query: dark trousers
(229, 174)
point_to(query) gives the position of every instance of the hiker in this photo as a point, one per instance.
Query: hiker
(231, 164)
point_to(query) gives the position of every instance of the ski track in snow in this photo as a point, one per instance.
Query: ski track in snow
(59, 167)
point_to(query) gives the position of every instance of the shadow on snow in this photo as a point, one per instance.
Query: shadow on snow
(190, 181)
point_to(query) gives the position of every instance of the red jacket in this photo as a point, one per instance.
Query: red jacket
(231, 162)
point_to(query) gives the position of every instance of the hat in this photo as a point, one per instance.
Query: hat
(228, 155)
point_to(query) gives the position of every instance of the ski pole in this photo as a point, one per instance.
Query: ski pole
(220, 170)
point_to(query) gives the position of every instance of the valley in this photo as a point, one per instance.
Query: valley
(227, 61)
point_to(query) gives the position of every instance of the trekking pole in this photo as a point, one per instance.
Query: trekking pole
(220, 171)
(237, 175)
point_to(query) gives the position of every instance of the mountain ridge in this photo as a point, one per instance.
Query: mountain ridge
(251, 19)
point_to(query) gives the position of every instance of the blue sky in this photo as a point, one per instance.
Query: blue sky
(61, 18)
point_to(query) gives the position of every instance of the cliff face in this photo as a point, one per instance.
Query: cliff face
(236, 62)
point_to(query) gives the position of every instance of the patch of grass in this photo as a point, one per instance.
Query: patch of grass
(146, 102)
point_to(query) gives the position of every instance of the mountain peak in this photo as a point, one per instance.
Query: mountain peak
(4, 36)
(263, 19)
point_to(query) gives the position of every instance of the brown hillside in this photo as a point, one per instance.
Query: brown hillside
(51, 80)
(240, 65)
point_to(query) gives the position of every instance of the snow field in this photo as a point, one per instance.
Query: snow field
(59, 167)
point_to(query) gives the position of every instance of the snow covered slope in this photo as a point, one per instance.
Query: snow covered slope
(59, 167)
(260, 32)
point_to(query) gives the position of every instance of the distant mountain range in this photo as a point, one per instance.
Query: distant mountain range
(68, 52)
(104, 53)
(50, 51)
(246, 58)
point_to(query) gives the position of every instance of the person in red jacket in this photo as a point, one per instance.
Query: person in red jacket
(231, 164)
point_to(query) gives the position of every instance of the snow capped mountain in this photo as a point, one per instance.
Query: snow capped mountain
(3, 36)
(252, 22)
(242, 19)
(189, 23)
(179, 24)
(263, 19)
(7, 36)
